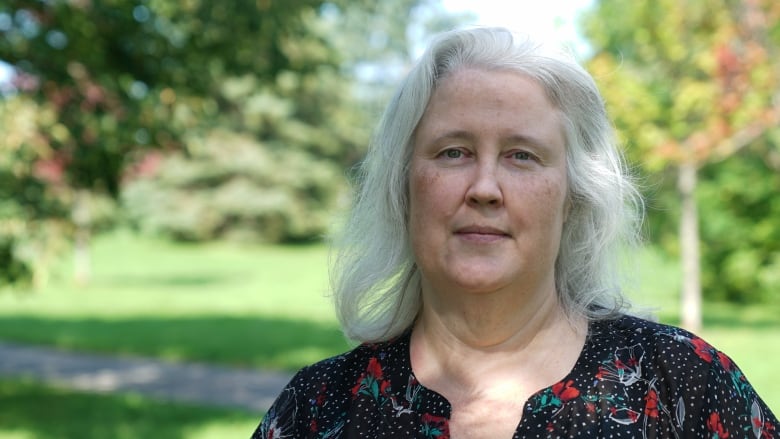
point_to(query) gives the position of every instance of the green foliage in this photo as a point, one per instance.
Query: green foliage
(32, 200)
(28, 250)
(741, 235)
(231, 186)
(102, 83)
(119, 75)
(697, 81)
(279, 174)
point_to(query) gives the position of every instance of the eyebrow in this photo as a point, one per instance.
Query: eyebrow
(523, 139)
(454, 134)
(527, 140)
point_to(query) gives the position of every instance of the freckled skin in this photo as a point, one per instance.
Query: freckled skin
(489, 152)
(487, 194)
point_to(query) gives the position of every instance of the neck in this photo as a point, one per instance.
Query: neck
(495, 320)
(486, 335)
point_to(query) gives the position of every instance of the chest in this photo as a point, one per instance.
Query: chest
(486, 417)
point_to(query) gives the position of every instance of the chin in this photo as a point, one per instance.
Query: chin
(479, 286)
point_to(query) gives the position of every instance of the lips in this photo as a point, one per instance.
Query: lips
(481, 232)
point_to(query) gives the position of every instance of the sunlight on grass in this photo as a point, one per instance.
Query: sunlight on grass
(16, 434)
(264, 306)
(216, 302)
(135, 276)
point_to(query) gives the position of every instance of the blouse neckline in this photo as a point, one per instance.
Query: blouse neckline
(576, 370)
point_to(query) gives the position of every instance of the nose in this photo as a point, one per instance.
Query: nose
(485, 189)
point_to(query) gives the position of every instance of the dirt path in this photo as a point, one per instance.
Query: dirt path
(253, 390)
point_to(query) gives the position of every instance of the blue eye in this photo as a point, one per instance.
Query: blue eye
(453, 153)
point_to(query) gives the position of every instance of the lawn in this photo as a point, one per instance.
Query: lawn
(30, 410)
(750, 335)
(261, 306)
(265, 306)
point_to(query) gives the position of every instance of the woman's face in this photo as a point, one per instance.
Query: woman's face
(488, 185)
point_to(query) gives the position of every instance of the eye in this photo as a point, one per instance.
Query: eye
(522, 155)
(453, 154)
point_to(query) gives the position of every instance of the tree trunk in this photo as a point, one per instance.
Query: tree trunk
(82, 219)
(691, 313)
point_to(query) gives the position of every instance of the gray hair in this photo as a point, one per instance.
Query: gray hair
(375, 281)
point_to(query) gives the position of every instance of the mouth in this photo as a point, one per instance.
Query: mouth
(481, 233)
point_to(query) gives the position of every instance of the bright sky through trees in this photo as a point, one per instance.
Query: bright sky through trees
(548, 19)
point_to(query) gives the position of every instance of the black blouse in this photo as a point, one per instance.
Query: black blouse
(633, 379)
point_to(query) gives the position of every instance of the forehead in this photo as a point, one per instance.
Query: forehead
(510, 84)
(491, 101)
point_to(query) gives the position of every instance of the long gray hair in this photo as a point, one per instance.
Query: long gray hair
(374, 278)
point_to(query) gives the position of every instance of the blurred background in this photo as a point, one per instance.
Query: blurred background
(169, 171)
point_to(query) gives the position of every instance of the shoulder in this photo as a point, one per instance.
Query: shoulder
(726, 403)
(632, 350)
(346, 368)
(318, 396)
(681, 363)
(662, 343)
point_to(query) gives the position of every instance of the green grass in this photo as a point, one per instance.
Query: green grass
(264, 306)
(141, 276)
(261, 306)
(749, 334)
(30, 410)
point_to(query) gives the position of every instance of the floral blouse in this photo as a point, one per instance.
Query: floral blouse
(633, 379)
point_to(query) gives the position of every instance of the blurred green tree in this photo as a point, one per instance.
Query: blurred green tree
(172, 99)
(692, 83)
(272, 164)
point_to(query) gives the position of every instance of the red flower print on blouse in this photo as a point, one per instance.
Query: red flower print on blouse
(714, 425)
(565, 391)
(371, 382)
(321, 396)
(435, 427)
(374, 369)
(725, 361)
(651, 403)
(702, 349)
(623, 415)
(556, 396)
(625, 367)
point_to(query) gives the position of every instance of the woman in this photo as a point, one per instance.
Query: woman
(478, 269)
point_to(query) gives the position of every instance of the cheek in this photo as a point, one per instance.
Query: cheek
(422, 190)
(416, 199)
(429, 202)
(549, 196)
(555, 194)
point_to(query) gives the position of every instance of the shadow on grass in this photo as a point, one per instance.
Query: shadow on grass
(33, 410)
(251, 341)
(184, 279)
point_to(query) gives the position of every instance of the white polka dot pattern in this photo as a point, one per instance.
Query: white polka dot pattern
(633, 379)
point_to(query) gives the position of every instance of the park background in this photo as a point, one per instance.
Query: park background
(169, 172)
